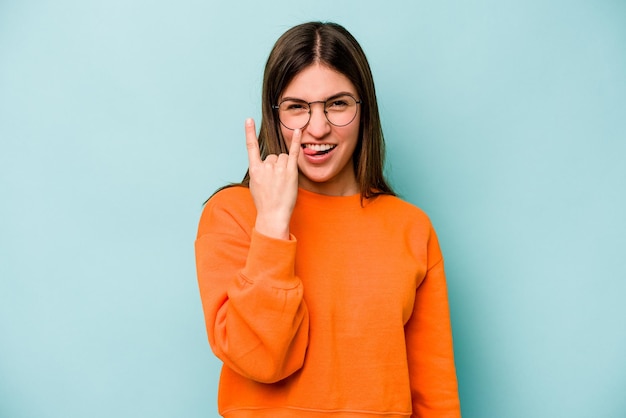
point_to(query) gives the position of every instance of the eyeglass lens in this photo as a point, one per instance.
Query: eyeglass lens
(339, 111)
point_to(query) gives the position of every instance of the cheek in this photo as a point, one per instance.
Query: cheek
(350, 136)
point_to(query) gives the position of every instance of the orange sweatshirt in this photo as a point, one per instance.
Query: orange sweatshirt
(347, 319)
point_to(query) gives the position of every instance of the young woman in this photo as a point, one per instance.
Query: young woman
(324, 294)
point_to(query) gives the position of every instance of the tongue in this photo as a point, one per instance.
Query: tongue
(310, 151)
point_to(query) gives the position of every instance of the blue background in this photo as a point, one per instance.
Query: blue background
(505, 121)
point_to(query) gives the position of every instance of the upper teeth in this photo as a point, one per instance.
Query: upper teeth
(319, 147)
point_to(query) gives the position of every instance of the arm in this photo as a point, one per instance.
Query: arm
(256, 320)
(429, 345)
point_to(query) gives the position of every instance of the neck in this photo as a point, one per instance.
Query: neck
(330, 188)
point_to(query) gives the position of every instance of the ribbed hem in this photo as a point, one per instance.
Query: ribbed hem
(294, 412)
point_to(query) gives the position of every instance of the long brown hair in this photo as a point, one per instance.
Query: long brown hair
(331, 45)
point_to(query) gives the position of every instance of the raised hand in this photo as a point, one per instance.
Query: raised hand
(273, 184)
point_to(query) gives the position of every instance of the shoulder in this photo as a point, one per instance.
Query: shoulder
(398, 207)
(229, 206)
(231, 196)
(415, 225)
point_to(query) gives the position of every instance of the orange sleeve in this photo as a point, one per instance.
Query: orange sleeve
(256, 319)
(432, 373)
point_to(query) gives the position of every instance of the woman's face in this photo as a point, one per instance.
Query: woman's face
(325, 160)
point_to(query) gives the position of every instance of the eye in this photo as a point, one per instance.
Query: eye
(339, 103)
(294, 106)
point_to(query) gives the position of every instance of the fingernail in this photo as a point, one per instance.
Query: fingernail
(249, 122)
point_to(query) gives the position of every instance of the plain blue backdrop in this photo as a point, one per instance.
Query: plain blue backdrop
(505, 121)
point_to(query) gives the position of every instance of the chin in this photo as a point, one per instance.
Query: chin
(318, 179)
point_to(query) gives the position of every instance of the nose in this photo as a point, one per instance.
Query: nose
(318, 125)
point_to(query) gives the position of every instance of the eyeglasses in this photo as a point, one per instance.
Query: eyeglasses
(339, 110)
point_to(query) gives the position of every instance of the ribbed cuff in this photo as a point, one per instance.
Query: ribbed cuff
(271, 259)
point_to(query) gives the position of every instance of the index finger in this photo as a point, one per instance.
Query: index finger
(294, 148)
(252, 143)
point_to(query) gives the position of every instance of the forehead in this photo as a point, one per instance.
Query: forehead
(317, 82)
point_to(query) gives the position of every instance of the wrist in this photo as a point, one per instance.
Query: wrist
(272, 228)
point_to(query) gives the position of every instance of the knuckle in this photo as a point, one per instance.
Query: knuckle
(253, 171)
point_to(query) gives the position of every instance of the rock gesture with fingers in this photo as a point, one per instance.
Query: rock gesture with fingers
(273, 184)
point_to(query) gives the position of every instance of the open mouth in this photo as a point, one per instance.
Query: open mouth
(317, 149)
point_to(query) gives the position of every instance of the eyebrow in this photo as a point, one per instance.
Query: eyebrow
(334, 96)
